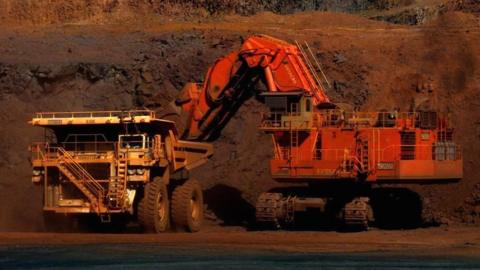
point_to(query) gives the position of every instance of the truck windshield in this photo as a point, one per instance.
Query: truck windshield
(132, 141)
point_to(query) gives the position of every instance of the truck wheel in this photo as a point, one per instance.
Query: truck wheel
(154, 207)
(187, 206)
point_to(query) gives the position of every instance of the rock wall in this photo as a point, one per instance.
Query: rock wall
(113, 11)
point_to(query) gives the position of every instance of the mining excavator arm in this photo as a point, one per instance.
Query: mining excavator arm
(281, 66)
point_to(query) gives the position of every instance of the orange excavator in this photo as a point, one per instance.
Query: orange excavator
(315, 141)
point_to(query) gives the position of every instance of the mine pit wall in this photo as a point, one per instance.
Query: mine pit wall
(47, 12)
(68, 11)
(98, 71)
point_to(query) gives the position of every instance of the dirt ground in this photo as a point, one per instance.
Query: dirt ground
(451, 241)
(143, 64)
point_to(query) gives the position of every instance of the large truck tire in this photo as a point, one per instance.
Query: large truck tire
(154, 207)
(187, 206)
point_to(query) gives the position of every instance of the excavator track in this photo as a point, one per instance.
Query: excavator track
(357, 214)
(269, 210)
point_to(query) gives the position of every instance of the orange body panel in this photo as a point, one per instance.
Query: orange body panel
(362, 151)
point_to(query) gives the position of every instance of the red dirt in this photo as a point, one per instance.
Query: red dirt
(451, 242)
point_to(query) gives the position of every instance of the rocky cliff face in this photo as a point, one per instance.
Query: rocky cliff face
(107, 11)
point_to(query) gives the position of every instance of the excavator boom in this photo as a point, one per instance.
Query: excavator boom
(230, 80)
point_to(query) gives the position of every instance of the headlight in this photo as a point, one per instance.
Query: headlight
(131, 171)
(140, 171)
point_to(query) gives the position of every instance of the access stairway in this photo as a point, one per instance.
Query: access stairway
(82, 179)
(117, 185)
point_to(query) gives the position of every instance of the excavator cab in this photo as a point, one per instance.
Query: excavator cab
(288, 109)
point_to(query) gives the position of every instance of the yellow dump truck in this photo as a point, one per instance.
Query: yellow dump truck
(119, 163)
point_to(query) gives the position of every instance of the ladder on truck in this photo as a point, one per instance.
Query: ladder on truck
(117, 184)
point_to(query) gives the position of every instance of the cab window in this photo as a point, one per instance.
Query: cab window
(308, 105)
(132, 141)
